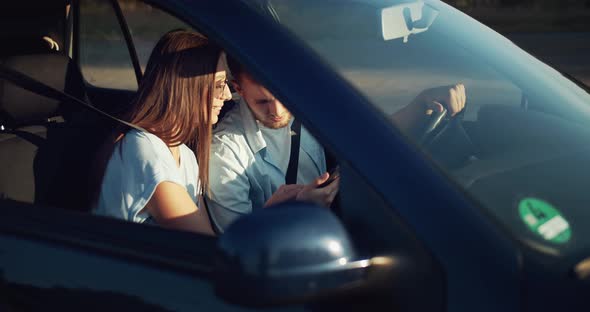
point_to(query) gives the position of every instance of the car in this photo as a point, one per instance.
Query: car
(485, 210)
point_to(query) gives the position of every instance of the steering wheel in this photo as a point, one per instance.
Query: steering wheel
(445, 139)
(434, 127)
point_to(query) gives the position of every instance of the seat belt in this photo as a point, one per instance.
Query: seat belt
(291, 176)
(37, 87)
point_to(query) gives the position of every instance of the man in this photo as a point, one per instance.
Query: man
(251, 149)
(250, 155)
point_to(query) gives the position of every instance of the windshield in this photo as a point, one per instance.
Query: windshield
(519, 146)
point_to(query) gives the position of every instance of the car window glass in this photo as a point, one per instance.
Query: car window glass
(104, 58)
(147, 25)
(392, 72)
(521, 147)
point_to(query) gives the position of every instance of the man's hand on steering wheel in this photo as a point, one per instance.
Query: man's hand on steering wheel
(451, 98)
(442, 104)
(411, 118)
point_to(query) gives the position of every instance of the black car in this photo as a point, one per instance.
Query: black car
(486, 212)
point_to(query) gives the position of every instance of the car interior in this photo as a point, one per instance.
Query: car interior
(40, 128)
(49, 141)
(38, 132)
(31, 122)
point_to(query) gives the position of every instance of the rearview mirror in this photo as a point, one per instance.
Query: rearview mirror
(291, 253)
(400, 21)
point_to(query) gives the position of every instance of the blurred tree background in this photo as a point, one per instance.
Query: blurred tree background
(528, 15)
(555, 31)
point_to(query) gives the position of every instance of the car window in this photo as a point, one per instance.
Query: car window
(147, 25)
(519, 147)
(392, 72)
(104, 58)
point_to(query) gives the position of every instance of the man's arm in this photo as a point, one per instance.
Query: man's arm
(411, 118)
(229, 187)
(320, 195)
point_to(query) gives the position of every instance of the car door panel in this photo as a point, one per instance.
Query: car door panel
(53, 258)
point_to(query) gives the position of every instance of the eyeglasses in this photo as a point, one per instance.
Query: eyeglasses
(220, 87)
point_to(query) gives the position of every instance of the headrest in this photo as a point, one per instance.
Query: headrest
(24, 23)
(19, 107)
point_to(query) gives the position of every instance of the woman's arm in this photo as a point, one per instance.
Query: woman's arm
(172, 207)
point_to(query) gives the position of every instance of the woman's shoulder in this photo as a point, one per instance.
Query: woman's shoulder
(143, 144)
(189, 155)
(143, 138)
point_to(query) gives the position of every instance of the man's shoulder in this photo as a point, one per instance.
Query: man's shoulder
(230, 124)
(231, 128)
(230, 133)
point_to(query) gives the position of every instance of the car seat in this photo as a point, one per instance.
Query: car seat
(46, 145)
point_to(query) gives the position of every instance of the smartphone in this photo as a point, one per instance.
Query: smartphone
(334, 174)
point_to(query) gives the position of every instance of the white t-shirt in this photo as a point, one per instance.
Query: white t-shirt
(140, 161)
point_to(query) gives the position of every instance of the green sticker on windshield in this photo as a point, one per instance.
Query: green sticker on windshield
(545, 220)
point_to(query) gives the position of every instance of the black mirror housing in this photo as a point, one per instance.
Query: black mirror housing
(286, 253)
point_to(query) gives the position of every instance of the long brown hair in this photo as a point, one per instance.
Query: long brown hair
(175, 97)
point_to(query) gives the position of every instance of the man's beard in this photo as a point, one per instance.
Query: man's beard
(269, 123)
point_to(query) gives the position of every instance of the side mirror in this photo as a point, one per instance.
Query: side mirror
(290, 253)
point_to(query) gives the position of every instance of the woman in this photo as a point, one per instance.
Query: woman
(152, 175)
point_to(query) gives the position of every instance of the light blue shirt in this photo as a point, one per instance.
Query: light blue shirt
(243, 174)
(141, 161)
